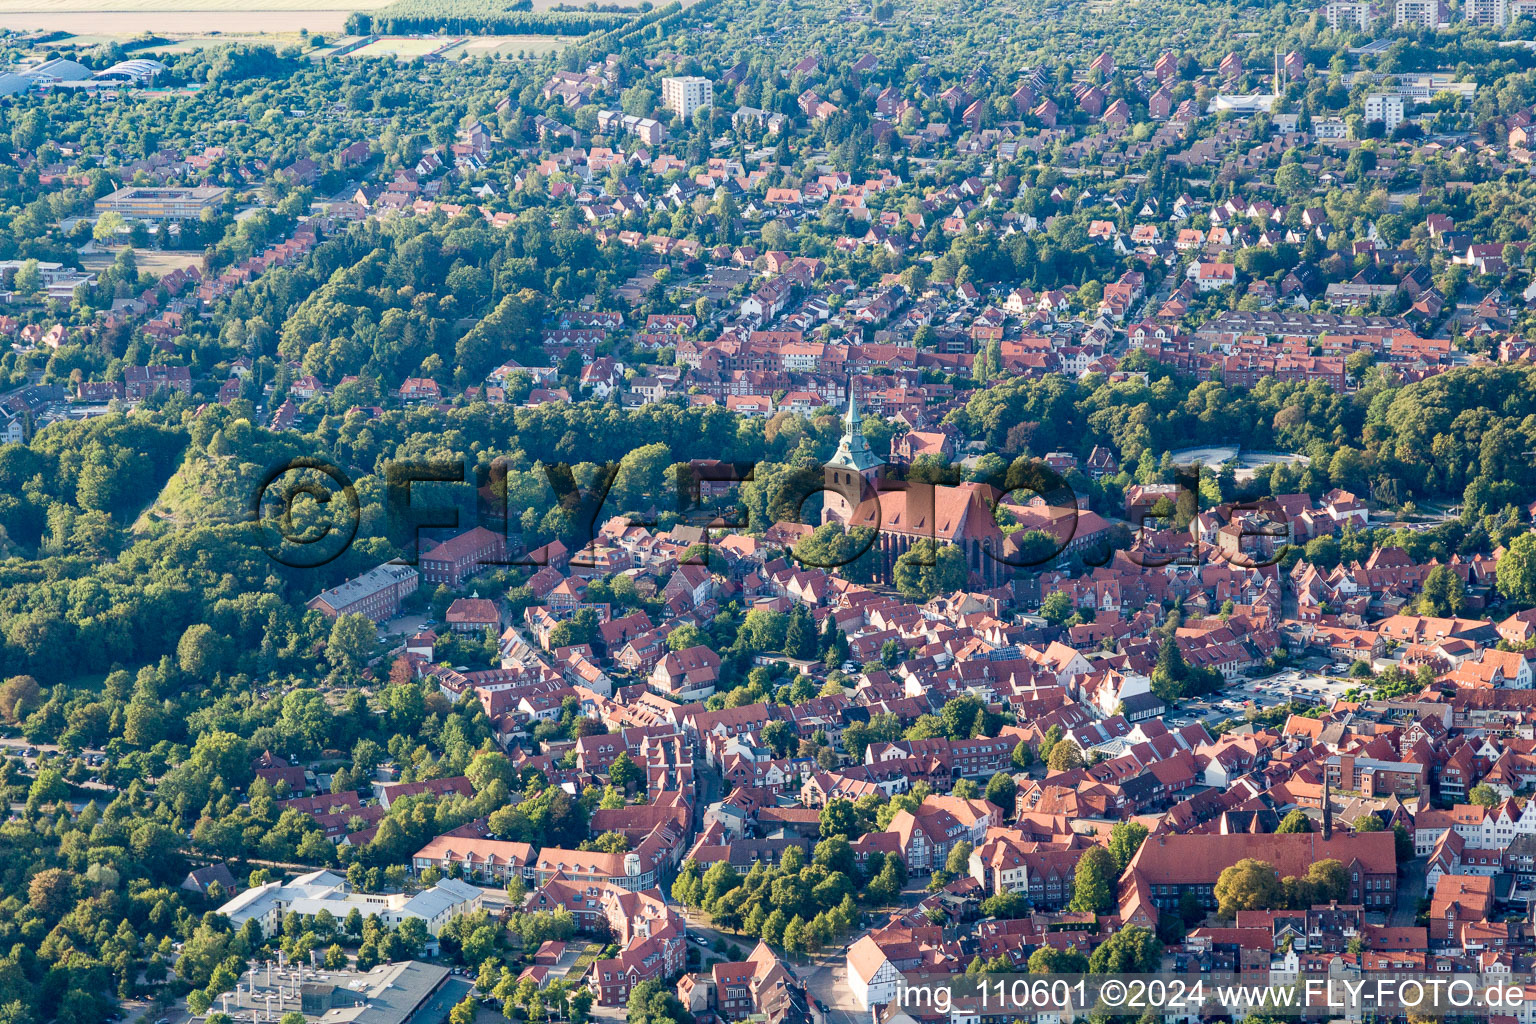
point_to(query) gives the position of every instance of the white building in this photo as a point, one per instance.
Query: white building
(686, 94)
(1498, 13)
(1242, 106)
(1494, 13)
(871, 974)
(1346, 14)
(1420, 14)
(1423, 87)
(1330, 128)
(325, 890)
(1386, 108)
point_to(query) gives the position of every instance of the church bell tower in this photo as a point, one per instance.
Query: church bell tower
(850, 475)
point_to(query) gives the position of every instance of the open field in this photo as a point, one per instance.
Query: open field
(506, 46)
(401, 46)
(202, 22)
(186, 44)
(157, 261)
(238, 23)
(98, 18)
(453, 47)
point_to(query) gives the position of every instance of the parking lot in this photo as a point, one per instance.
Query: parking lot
(1309, 685)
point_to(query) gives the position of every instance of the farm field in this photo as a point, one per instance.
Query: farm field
(548, 5)
(97, 18)
(186, 44)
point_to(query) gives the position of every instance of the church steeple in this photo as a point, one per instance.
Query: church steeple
(851, 472)
(853, 452)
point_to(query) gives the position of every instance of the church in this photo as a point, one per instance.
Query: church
(860, 493)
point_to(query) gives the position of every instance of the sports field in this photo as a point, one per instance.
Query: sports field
(401, 46)
(506, 46)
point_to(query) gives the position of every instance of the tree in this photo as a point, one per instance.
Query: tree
(1133, 950)
(885, 886)
(28, 280)
(683, 637)
(1248, 885)
(1327, 880)
(488, 767)
(107, 227)
(838, 818)
(800, 634)
(199, 651)
(780, 736)
(1005, 905)
(1093, 890)
(463, 1012)
(1404, 843)
(1064, 757)
(927, 569)
(959, 860)
(624, 773)
(836, 855)
(1516, 574)
(1296, 821)
(1293, 180)
(1125, 838)
(794, 935)
(1001, 790)
(353, 641)
(19, 697)
(962, 715)
(1442, 593)
(1023, 756)
(1482, 794)
(1171, 669)
(1056, 608)
(1050, 960)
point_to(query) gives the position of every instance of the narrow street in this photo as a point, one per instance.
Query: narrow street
(1410, 889)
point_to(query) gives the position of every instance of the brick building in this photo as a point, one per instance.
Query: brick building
(377, 593)
(458, 558)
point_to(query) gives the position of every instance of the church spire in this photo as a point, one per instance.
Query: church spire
(853, 452)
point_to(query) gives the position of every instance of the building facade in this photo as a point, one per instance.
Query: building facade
(684, 95)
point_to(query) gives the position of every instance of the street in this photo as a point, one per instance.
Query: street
(1410, 889)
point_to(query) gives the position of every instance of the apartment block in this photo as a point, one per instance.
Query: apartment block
(1494, 13)
(1420, 14)
(1386, 108)
(1348, 14)
(686, 94)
